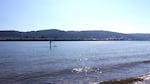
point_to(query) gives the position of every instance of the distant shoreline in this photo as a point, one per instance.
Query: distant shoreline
(61, 35)
(74, 40)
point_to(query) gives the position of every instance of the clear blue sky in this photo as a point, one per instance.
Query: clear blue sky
(127, 16)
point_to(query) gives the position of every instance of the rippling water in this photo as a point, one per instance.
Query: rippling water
(72, 62)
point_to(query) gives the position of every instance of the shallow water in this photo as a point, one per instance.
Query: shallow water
(72, 62)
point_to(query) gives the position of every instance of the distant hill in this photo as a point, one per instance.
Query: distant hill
(54, 34)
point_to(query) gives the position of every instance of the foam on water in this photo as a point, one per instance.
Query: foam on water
(146, 77)
(86, 69)
(84, 59)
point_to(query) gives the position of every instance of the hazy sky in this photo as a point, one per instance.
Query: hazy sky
(127, 16)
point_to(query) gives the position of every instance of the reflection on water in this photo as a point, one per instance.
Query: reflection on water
(72, 62)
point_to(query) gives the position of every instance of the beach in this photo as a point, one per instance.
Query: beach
(144, 79)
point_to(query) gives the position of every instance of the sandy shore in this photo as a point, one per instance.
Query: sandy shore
(145, 79)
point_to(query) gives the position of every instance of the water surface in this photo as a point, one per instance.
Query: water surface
(72, 62)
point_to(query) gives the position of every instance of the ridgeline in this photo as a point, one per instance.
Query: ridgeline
(59, 35)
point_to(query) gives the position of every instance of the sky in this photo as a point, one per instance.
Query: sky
(125, 16)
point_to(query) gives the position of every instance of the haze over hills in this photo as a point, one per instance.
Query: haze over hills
(54, 34)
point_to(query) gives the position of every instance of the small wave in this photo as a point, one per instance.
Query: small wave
(132, 63)
(86, 69)
(100, 69)
(145, 79)
(146, 61)
(14, 78)
(84, 59)
(146, 76)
